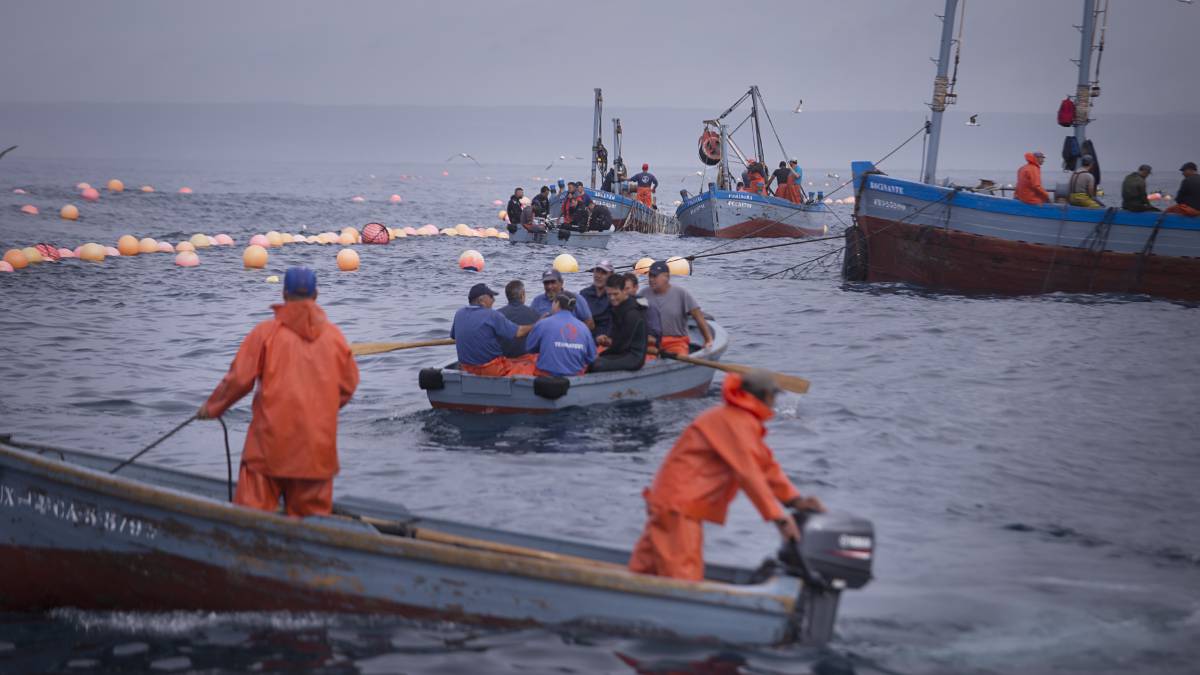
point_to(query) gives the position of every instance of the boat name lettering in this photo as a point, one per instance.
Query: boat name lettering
(744, 197)
(73, 512)
(738, 204)
(887, 204)
(882, 187)
(853, 541)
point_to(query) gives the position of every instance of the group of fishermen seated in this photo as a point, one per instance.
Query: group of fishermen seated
(580, 213)
(1081, 190)
(786, 179)
(607, 326)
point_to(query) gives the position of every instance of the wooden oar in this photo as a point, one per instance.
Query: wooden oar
(365, 348)
(792, 383)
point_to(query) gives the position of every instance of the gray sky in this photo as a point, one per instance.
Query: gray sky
(835, 54)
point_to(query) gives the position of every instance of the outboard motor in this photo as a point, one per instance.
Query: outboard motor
(835, 552)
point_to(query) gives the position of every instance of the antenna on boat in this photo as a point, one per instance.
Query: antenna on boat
(941, 87)
(618, 161)
(1085, 88)
(596, 131)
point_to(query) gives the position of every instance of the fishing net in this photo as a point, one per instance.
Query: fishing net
(374, 233)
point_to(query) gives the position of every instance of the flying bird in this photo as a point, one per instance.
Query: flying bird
(560, 157)
(971, 122)
(831, 175)
(464, 156)
(7, 150)
(694, 173)
(799, 107)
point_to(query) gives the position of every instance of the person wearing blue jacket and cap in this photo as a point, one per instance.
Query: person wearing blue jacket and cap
(563, 343)
(477, 330)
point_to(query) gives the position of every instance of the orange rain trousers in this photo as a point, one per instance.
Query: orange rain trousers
(645, 195)
(719, 453)
(676, 344)
(301, 497)
(501, 366)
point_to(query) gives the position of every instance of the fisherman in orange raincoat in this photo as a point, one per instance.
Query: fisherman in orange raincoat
(305, 374)
(646, 185)
(1029, 180)
(720, 452)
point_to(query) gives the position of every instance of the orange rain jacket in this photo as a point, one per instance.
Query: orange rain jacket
(722, 450)
(305, 373)
(1029, 182)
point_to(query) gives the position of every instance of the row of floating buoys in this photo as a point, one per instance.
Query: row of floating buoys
(88, 194)
(678, 266)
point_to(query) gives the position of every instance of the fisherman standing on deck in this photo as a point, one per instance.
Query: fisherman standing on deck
(552, 282)
(626, 348)
(646, 184)
(305, 374)
(1133, 191)
(722, 450)
(1029, 180)
(596, 297)
(521, 314)
(514, 206)
(1187, 199)
(477, 330)
(610, 179)
(674, 304)
(780, 178)
(541, 203)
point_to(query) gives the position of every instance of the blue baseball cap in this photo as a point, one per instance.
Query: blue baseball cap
(300, 281)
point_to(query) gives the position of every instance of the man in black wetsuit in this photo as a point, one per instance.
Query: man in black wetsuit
(626, 349)
(779, 177)
(596, 218)
(609, 179)
(514, 206)
(541, 203)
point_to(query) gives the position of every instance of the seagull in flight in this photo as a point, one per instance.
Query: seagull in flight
(799, 107)
(971, 122)
(7, 150)
(464, 156)
(560, 158)
(694, 173)
(832, 175)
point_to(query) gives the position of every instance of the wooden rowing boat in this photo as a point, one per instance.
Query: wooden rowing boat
(156, 539)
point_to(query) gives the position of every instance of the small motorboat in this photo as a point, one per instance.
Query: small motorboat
(549, 232)
(449, 387)
(155, 539)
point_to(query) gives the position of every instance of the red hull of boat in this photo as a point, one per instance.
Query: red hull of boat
(755, 228)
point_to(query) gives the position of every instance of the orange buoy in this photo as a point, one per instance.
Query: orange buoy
(128, 245)
(16, 258)
(92, 252)
(471, 260)
(185, 190)
(200, 240)
(185, 246)
(643, 266)
(347, 260)
(147, 188)
(274, 239)
(69, 212)
(566, 263)
(254, 257)
(115, 185)
(147, 245)
(679, 267)
(29, 209)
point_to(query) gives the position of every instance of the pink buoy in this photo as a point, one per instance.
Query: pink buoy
(410, 231)
(497, 202)
(375, 233)
(395, 199)
(187, 259)
(185, 190)
(82, 186)
(18, 191)
(224, 240)
(77, 249)
(445, 173)
(357, 199)
(165, 247)
(5, 266)
(112, 252)
(90, 194)
(260, 240)
(66, 253)
(29, 209)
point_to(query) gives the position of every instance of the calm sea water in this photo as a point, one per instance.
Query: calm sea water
(1030, 463)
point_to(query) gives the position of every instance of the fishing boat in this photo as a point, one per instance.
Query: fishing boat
(722, 211)
(449, 387)
(552, 234)
(628, 214)
(155, 539)
(950, 238)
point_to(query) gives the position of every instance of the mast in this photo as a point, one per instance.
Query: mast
(758, 146)
(596, 131)
(1083, 86)
(617, 162)
(941, 84)
(723, 175)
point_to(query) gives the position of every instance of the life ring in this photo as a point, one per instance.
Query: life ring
(710, 147)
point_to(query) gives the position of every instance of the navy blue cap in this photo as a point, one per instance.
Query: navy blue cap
(551, 275)
(659, 267)
(479, 290)
(300, 281)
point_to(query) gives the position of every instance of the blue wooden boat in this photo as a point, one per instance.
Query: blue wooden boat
(620, 206)
(731, 214)
(554, 236)
(154, 539)
(948, 237)
(451, 388)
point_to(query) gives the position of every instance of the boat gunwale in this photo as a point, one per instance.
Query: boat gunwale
(603, 576)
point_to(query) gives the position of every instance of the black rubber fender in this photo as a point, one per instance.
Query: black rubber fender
(854, 258)
(551, 387)
(431, 379)
(512, 229)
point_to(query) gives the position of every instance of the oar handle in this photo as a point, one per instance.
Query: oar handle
(365, 348)
(791, 383)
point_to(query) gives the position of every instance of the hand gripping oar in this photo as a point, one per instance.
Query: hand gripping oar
(791, 383)
(365, 348)
(150, 447)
